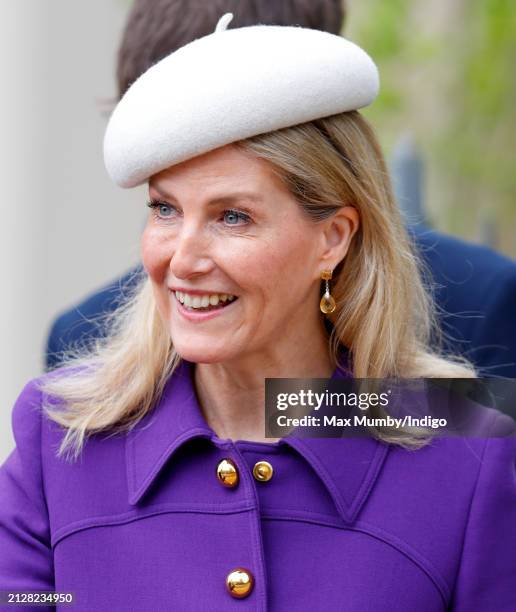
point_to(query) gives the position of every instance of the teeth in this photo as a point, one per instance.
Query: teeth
(203, 301)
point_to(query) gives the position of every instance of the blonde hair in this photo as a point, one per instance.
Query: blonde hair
(384, 315)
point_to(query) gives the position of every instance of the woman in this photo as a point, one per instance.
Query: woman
(265, 184)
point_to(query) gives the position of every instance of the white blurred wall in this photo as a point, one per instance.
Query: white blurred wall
(65, 229)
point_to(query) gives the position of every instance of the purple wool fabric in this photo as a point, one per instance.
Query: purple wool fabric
(141, 522)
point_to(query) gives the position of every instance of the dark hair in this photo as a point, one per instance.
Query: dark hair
(156, 28)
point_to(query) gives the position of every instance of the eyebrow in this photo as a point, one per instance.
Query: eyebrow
(229, 198)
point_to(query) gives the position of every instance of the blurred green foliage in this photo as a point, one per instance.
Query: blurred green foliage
(448, 77)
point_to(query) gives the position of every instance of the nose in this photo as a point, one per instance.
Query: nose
(191, 254)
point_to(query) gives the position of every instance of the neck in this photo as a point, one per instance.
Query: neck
(232, 395)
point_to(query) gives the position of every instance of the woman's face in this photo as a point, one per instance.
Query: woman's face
(235, 265)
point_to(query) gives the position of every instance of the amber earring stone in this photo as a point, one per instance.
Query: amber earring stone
(327, 303)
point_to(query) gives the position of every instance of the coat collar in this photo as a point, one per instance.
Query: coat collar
(347, 467)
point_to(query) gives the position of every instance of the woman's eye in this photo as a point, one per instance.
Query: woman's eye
(164, 210)
(161, 209)
(233, 217)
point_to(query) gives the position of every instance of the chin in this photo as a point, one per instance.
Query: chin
(200, 354)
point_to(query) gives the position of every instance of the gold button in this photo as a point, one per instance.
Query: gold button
(227, 473)
(263, 471)
(240, 582)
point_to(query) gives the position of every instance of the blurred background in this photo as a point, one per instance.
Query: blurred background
(449, 85)
(445, 117)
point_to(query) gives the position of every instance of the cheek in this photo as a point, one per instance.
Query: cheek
(155, 254)
(291, 254)
(155, 263)
(275, 267)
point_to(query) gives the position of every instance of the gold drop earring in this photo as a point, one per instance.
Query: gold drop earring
(327, 303)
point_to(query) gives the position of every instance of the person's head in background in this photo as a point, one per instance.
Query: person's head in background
(156, 28)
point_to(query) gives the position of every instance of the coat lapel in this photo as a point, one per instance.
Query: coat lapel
(348, 467)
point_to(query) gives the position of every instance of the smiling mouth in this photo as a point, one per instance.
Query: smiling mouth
(204, 303)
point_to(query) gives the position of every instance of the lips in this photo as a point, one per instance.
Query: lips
(205, 301)
(198, 314)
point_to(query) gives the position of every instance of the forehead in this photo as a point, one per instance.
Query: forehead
(228, 167)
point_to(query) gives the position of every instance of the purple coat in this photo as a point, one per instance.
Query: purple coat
(141, 522)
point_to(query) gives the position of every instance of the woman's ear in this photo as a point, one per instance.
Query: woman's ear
(338, 231)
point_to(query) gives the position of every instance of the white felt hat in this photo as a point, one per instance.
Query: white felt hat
(231, 85)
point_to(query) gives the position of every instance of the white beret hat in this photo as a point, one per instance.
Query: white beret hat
(231, 85)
